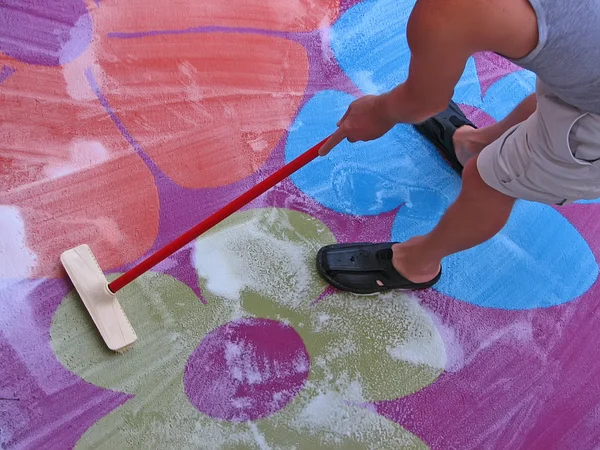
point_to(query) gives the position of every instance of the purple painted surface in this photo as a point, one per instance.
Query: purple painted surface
(46, 33)
(246, 370)
(347, 4)
(490, 68)
(6, 72)
(327, 292)
(477, 116)
(55, 407)
(526, 380)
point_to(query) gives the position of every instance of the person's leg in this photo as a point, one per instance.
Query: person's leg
(480, 211)
(478, 214)
(469, 141)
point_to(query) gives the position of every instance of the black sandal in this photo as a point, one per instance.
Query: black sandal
(440, 129)
(364, 268)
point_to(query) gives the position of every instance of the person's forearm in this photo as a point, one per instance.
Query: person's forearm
(521, 113)
(403, 106)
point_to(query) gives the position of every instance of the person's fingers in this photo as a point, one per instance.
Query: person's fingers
(337, 137)
(339, 122)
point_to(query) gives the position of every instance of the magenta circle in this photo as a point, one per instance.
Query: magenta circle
(246, 370)
(46, 33)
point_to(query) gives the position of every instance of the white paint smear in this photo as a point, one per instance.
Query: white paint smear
(242, 364)
(258, 437)
(335, 414)
(328, 410)
(326, 34)
(16, 259)
(76, 82)
(419, 352)
(365, 79)
(249, 257)
(82, 154)
(423, 344)
(258, 144)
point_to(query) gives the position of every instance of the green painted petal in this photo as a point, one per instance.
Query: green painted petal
(388, 345)
(322, 418)
(257, 263)
(170, 422)
(318, 418)
(313, 421)
(169, 320)
(265, 257)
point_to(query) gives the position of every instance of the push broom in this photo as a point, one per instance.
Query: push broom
(99, 296)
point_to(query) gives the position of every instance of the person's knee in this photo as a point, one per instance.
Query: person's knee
(474, 187)
(471, 180)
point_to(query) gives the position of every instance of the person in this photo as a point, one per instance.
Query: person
(547, 150)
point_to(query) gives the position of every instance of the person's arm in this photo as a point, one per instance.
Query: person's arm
(442, 35)
(440, 45)
(441, 39)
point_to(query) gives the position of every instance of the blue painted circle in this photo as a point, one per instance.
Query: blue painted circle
(364, 178)
(538, 260)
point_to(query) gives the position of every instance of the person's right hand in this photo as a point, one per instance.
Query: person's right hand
(366, 119)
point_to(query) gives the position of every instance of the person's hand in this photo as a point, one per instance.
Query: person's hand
(366, 119)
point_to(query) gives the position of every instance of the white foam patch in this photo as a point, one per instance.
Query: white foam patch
(249, 256)
(296, 125)
(415, 352)
(82, 154)
(364, 79)
(337, 413)
(242, 364)
(327, 410)
(242, 402)
(195, 93)
(424, 344)
(16, 259)
(212, 434)
(258, 144)
(301, 363)
(258, 437)
(455, 353)
(73, 70)
(326, 32)
(323, 318)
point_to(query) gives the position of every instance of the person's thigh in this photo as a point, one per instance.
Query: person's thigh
(552, 158)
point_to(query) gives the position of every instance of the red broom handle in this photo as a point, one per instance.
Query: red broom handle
(215, 218)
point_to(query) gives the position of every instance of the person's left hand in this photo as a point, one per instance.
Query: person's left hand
(366, 119)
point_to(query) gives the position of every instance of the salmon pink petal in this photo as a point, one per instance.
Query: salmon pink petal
(113, 207)
(68, 177)
(141, 16)
(47, 133)
(208, 108)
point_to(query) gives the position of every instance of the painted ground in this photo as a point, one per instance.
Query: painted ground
(124, 123)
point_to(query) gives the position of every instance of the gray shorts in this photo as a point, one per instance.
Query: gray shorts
(553, 157)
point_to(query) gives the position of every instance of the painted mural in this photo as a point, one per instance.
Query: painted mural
(124, 123)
